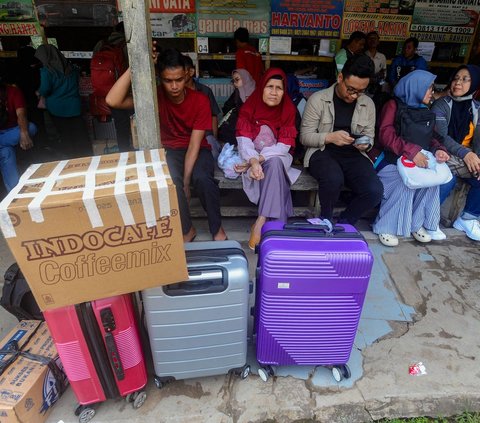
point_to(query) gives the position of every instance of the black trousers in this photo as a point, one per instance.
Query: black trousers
(205, 186)
(73, 134)
(338, 166)
(121, 120)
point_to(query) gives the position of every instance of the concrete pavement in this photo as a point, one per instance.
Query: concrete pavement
(423, 304)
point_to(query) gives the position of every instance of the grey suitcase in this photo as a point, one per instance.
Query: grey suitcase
(199, 327)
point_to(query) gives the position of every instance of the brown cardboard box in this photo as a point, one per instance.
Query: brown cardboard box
(27, 387)
(95, 227)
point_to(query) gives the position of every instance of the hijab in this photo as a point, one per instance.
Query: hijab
(461, 116)
(255, 113)
(411, 89)
(53, 59)
(248, 84)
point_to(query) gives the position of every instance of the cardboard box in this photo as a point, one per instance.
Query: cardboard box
(95, 227)
(100, 147)
(27, 387)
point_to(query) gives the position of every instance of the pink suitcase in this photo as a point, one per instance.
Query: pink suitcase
(99, 345)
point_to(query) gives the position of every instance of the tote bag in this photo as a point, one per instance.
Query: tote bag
(418, 177)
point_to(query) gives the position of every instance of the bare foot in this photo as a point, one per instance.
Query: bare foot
(220, 235)
(190, 235)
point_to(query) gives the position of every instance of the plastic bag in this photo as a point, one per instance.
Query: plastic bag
(415, 177)
(227, 160)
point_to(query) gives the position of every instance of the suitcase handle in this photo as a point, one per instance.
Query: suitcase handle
(311, 227)
(109, 325)
(199, 282)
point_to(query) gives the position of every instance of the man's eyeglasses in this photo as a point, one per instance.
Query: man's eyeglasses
(463, 80)
(353, 91)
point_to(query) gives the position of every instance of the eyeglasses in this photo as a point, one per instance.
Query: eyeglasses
(463, 80)
(353, 91)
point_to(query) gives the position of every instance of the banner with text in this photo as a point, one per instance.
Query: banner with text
(171, 25)
(385, 7)
(18, 18)
(76, 13)
(389, 27)
(446, 17)
(317, 18)
(222, 88)
(221, 19)
(172, 6)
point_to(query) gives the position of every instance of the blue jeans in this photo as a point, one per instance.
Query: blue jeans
(472, 205)
(9, 139)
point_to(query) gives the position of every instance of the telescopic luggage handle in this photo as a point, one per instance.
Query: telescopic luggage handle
(326, 227)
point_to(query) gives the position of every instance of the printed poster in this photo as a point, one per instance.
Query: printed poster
(77, 13)
(173, 18)
(385, 7)
(308, 86)
(218, 18)
(222, 88)
(316, 18)
(389, 27)
(18, 18)
(448, 17)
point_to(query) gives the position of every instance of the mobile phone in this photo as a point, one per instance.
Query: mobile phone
(361, 139)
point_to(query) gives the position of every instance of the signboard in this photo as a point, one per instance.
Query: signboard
(222, 88)
(441, 37)
(77, 13)
(308, 86)
(18, 18)
(221, 19)
(389, 27)
(316, 18)
(171, 25)
(385, 7)
(172, 6)
(449, 17)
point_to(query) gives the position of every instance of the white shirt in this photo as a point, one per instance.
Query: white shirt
(379, 60)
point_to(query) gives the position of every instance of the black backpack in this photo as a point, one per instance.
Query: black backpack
(17, 298)
(415, 126)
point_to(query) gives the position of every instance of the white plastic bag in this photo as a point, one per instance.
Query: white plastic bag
(415, 177)
(227, 160)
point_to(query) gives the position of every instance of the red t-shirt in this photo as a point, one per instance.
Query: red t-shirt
(250, 59)
(178, 120)
(15, 100)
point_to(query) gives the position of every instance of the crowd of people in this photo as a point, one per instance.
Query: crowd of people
(353, 134)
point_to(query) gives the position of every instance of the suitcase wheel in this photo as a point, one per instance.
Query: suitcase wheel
(160, 382)
(84, 413)
(242, 372)
(265, 372)
(341, 372)
(139, 399)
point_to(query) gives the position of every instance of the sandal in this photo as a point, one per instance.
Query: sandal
(422, 235)
(388, 240)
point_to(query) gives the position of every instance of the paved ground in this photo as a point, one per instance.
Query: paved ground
(422, 305)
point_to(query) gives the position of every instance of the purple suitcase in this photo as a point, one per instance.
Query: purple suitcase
(310, 290)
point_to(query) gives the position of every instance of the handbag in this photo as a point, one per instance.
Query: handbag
(415, 177)
(458, 167)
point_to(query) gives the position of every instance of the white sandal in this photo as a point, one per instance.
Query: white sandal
(388, 240)
(422, 235)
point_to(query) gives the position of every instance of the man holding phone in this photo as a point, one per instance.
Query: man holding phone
(338, 127)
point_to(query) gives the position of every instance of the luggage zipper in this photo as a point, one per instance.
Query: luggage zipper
(96, 347)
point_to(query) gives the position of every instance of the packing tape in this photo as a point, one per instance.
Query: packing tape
(89, 194)
(35, 206)
(90, 188)
(160, 178)
(5, 221)
(119, 191)
(145, 191)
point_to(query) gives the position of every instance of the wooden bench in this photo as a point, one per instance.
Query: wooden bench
(305, 182)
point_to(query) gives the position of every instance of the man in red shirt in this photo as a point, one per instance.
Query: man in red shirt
(14, 130)
(247, 57)
(184, 117)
